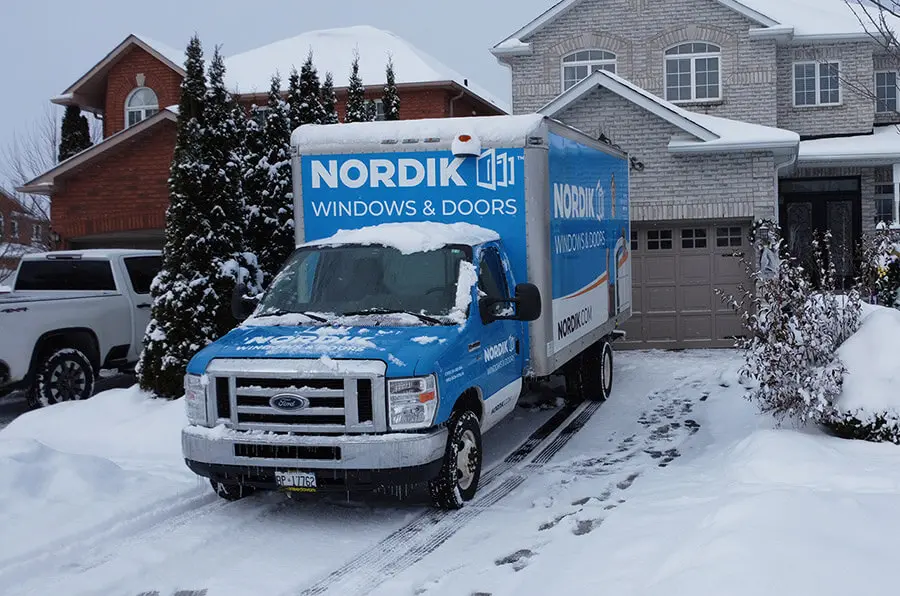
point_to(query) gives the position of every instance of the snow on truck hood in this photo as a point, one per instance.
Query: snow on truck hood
(412, 237)
(401, 348)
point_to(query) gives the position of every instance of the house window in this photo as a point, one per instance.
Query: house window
(885, 92)
(817, 84)
(577, 66)
(2, 227)
(14, 228)
(692, 72)
(731, 237)
(36, 235)
(693, 238)
(659, 240)
(884, 203)
(141, 104)
(379, 110)
(258, 114)
(634, 241)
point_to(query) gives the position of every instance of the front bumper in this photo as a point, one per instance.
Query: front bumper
(340, 462)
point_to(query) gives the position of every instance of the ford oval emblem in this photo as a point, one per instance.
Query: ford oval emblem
(288, 402)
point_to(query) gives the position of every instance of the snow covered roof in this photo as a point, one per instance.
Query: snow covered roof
(882, 147)
(412, 237)
(11, 249)
(333, 51)
(705, 134)
(492, 131)
(790, 19)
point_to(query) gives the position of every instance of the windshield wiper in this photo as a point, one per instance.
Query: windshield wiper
(389, 311)
(277, 312)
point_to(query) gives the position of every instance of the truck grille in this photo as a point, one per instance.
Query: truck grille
(353, 403)
(287, 452)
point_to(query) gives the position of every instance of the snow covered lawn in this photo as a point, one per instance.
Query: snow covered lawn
(674, 486)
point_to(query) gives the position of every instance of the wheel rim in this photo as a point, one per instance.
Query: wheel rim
(607, 368)
(466, 460)
(67, 381)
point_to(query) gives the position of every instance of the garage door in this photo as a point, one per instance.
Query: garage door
(676, 271)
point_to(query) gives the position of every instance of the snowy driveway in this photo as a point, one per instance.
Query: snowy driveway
(667, 488)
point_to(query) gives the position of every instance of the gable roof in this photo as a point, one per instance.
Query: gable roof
(44, 184)
(333, 51)
(825, 19)
(702, 133)
(89, 90)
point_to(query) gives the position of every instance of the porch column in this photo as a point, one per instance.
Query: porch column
(896, 218)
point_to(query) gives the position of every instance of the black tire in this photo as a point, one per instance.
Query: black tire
(606, 369)
(63, 374)
(584, 375)
(453, 488)
(231, 491)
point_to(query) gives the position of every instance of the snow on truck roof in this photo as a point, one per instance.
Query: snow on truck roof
(411, 237)
(505, 131)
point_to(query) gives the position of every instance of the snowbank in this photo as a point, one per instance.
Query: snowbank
(872, 358)
(412, 237)
(72, 469)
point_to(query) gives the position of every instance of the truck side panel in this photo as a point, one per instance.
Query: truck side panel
(590, 232)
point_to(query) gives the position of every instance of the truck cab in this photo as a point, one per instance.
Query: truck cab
(438, 266)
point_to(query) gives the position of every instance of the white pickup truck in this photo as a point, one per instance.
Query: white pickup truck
(71, 314)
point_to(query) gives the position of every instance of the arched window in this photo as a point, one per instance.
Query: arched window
(141, 104)
(577, 66)
(693, 72)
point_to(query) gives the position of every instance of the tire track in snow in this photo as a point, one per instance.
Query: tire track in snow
(425, 534)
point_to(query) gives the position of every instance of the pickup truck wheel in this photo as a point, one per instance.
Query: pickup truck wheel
(63, 375)
(461, 470)
(231, 491)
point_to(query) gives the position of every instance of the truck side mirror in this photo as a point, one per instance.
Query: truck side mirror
(527, 305)
(241, 307)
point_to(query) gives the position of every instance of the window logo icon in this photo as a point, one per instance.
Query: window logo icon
(496, 170)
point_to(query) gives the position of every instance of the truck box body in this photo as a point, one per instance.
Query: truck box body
(557, 198)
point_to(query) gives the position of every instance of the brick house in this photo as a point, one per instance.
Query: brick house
(114, 194)
(732, 111)
(21, 232)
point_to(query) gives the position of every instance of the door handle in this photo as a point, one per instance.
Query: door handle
(144, 305)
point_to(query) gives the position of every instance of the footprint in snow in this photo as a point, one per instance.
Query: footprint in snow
(626, 484)
(519, 559)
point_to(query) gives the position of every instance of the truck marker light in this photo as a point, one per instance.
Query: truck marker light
(465, 138)
(426, 397)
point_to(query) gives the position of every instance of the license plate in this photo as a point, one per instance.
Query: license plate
(300, 482)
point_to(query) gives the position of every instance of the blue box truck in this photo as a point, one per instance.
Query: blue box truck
(440, 265)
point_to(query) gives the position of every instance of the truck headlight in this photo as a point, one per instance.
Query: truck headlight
(195, 399)
(412, 403)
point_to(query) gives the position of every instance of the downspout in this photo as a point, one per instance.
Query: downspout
(462, 94)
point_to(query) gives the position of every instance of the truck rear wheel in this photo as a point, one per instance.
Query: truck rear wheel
(64, 374)
(589, 375)
(461, 470)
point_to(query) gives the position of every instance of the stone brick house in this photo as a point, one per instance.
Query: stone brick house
(21, 231)
(676, 84)
(114, 194)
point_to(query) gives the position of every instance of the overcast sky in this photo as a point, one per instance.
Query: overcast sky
(48, 44)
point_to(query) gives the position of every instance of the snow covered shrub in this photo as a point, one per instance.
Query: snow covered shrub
(880, 267)
(794, 332)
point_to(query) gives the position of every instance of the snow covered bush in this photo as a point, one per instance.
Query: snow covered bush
(869, 406)
(794, 333)
(880, 267)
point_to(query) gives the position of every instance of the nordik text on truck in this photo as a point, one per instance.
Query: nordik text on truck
(440, 265)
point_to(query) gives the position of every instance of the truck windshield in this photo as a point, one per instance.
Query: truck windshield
(352, 279)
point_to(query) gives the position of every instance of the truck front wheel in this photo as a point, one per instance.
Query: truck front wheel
(461, 469)
(63, 375)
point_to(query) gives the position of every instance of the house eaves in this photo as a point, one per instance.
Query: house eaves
(515, 44)
(631, 93)
(45, 183)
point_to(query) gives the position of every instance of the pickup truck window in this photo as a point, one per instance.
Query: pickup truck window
(61, 274)
(353, 279)
(141, 271)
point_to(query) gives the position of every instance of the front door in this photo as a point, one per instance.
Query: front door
(501, 348)
(809, 207)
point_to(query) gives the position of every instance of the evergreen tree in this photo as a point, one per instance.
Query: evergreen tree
(170, 339)
(75, 135)
(311, 108)
(357, 111)
(271, 212)
(390, 97)
(329, 100)
(294, 98)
